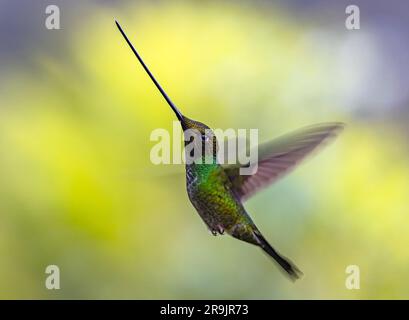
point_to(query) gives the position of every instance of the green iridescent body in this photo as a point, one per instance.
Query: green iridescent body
(211, 193)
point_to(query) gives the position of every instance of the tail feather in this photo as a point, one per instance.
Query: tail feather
(287, 265)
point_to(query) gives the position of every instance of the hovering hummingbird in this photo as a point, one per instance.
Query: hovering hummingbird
(217, 191)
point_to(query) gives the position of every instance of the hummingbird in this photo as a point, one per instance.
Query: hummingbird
(217, 191)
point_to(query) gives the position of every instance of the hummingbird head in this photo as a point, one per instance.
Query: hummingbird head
(195, 132)
(200, 137)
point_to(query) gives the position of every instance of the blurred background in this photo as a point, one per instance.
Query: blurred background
(78, 190)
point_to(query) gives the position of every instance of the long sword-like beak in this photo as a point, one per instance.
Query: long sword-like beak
(172, 105)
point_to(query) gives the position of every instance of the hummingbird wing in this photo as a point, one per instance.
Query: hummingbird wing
(279, 156)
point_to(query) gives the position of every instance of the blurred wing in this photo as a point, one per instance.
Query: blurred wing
(280, 156)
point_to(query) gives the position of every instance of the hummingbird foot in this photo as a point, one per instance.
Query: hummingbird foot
(218, 230)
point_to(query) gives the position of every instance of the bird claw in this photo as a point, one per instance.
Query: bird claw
(219, 230)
